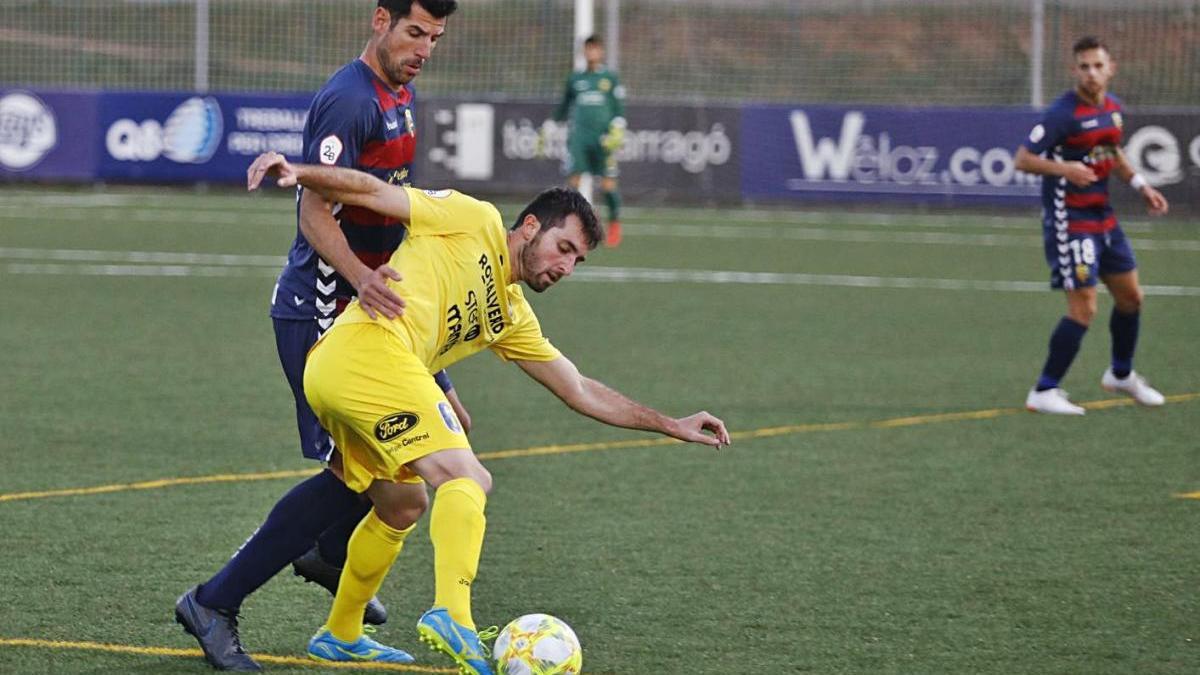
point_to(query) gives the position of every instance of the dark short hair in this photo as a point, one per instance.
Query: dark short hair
(593, 40)
(551, 207)
(399, 9)
(1088, 43)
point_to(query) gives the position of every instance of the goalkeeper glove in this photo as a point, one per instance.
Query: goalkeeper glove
(615, 137)
(540, 145)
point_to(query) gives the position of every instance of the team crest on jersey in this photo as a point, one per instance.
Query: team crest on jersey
(409, 126)
(1037, 133)
(1118, 122)
(605, 84)
(438, 194)
(395, 425)
(330, 150)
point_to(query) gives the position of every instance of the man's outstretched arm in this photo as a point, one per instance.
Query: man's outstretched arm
(335, 183)
(592, 398)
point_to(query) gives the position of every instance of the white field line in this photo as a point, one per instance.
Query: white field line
(142, 257)
(652, 275)
(257, 266)
(758, 232)
(189, 204)
(91, 270)
(783, 230)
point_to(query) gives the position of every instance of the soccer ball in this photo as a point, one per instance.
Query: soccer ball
(537, 644)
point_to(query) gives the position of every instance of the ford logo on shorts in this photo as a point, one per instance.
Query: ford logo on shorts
(395, 425)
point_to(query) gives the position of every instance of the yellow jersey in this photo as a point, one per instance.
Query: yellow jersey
(455, 267)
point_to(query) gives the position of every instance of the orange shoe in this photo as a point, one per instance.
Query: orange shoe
(613, 239)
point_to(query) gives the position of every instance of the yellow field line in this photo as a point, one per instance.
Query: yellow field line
(766, 432)
(156, 484)
(196, 653)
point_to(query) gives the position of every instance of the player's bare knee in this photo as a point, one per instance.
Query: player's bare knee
(1082, 315)
(484, 478)
(1130, 303)
(406, 515)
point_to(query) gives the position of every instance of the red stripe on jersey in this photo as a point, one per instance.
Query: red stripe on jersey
(388, 154)
(1092, 226)
(1094, 137)
(1102, 169)
(1087, 200)
(389, 99)
(373, 259)
(366, 217)
(1083, 109)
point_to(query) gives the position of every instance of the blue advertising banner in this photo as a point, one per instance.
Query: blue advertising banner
(862, 152)
(169, 137)
(48, 135)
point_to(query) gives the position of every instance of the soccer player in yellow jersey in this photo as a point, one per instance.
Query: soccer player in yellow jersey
(369, 381)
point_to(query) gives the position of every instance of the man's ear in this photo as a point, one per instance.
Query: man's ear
(381, 21)
(530, 227)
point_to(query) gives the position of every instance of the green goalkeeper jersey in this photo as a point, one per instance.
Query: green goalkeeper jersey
(592, 99)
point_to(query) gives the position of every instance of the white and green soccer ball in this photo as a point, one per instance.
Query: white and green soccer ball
(537, 644)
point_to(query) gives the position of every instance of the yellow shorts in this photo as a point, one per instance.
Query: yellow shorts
(379, 403)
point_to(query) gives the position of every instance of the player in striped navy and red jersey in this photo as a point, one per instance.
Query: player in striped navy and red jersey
(1081, 135)
(362, 118)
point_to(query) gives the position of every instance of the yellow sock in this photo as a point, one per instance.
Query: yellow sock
(456, 528)
(372, 549)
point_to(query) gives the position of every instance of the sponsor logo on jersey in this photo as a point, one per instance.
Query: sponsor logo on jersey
(449, 417)
(415, 439)
(437, 194)
(330, 150)
(495, 316)
(605, 84)
(27, 131)
(396, 425)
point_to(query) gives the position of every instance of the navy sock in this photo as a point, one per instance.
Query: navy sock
(1064, 345)
(332, 542)
(1124, 329)
(291, 528)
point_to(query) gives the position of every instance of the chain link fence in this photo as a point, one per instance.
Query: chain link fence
(919, 52)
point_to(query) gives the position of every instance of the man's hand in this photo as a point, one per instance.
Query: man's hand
(1079, 174)
(270, 163)
(1156, 203)
(691, 429)
(375, 296)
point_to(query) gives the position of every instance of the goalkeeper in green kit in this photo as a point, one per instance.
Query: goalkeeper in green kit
(595, 102)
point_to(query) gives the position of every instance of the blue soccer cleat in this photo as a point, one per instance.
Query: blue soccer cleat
(324, 647)
(217, 632)
(460, 643)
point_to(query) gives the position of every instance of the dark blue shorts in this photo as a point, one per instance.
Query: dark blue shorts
(1079, 259)
(293, 339)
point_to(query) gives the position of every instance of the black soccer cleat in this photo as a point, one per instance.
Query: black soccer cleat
(312, 567)
(217, 632)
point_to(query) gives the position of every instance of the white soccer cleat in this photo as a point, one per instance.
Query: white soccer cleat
(1052, 402)
(1134, 386)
